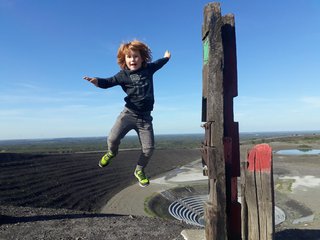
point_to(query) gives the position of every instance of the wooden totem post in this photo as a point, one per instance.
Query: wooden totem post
(258, 194)
(220, 156)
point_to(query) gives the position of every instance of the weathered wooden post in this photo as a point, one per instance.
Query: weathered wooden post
(221, 156)
(258, 194)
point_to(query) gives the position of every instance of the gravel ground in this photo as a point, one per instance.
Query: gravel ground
(59, 196)
(43, 223)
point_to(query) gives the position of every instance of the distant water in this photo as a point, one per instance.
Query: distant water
(299, 152)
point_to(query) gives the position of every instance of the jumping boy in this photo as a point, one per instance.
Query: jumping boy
(136, 80)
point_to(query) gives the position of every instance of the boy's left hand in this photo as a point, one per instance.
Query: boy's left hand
(167, 54)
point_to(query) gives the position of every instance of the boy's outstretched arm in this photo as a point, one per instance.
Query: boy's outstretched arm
(167, 54)
(92, 80)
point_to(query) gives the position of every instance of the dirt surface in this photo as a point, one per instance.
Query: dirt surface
(60, 196)
(74, 181)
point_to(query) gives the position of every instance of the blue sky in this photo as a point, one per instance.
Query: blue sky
(46, 47)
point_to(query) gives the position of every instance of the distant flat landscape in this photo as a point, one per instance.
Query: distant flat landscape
(88, 144)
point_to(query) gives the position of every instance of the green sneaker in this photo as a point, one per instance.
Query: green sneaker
(143, 180)
(106, 159)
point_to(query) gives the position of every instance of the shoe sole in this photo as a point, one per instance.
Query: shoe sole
(146, 185)
(140, 184)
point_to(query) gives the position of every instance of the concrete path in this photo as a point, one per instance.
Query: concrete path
(131, 200)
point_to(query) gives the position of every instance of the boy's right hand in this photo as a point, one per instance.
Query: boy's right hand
(92, 80)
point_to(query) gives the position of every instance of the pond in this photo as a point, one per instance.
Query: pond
(299, 152)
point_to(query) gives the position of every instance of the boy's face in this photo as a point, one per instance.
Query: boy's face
(133, 60)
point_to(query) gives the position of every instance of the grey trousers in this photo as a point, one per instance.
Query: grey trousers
(142, 124)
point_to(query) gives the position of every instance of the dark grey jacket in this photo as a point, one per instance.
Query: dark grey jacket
(138, 85)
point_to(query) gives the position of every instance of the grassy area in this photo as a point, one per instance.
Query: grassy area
(71, 145)
(302, 140)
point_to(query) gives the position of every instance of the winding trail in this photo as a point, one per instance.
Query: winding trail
(132, 199)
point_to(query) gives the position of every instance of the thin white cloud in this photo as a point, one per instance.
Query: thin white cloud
(277, 114)
(47, 97)
(311, 101)
(58, 121)
(9, 113)
(27, 86)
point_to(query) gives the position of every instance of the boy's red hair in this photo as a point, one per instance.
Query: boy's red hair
(134, 46)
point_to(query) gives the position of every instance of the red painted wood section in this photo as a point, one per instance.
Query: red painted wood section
(260, 158)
